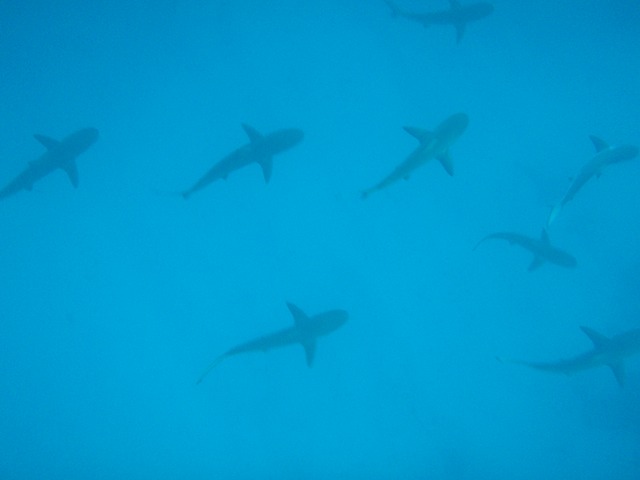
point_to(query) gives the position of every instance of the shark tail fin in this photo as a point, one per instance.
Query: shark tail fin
(213, 365)
(555, 211)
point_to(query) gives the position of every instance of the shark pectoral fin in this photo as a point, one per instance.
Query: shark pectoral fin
(598, 143)
(599, 340)
(267, 165)
(618, 372)
(47, 142)
(536, 263)
(72, 171)
(252, 133)
(310, 351)
(447, 163)
(419, 134)
(460, 27)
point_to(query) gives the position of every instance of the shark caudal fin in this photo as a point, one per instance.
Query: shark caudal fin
(555, 211)
(213, 365)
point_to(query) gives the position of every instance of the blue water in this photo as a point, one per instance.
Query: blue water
(115, 296)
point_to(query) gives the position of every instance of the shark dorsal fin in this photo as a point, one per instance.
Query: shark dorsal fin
(299, 317)
(310, 351)
(618, 372)
(419, 134)
(252, 133)
(598, 143)
(544, 237)
(455, 4)
(47, 142)
(72, 171)
(598, 339)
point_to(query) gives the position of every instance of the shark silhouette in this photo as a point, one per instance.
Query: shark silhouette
(457, 15)
(434, 144)
(305, 332)
(542, 249)
(609, 351)
(59, 155)
(605, 155)
(260, 150)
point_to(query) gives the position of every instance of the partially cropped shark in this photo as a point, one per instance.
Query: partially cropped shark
(59, 155)
(434, 144)
(457, 15)
(541, 248)
(609, 351)
(260, 150)
(305, 332)
(605, 155)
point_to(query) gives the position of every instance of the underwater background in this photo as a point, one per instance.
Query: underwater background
(115, 296)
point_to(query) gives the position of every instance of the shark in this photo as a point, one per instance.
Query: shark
(607, 351)
(305, 331)
(59, 155)
(457, 15)
(605, 155)
(260, 149)
(541, 248)
(433, 144)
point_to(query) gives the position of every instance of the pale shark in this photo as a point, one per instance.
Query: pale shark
(541, 248)
(433, 144)
(605, 155)
(305, 332)
(260, 150)
(457, 15)
(608, 351)
(59, 155)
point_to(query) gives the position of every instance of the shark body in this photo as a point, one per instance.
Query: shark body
(434, 144)
(305, 332)
(605, 155)
(260, 150)
(59, 155)
(607, 351)
(541, 248)
(457, 15)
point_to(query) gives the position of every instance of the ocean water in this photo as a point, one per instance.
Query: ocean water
(115, 296)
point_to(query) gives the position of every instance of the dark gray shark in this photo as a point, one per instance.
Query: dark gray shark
(457, 15)
(305, 332)
(606, 351)
(541, 248)
(260, 150)
(434, 144)
(605, 155)
(59, 155)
